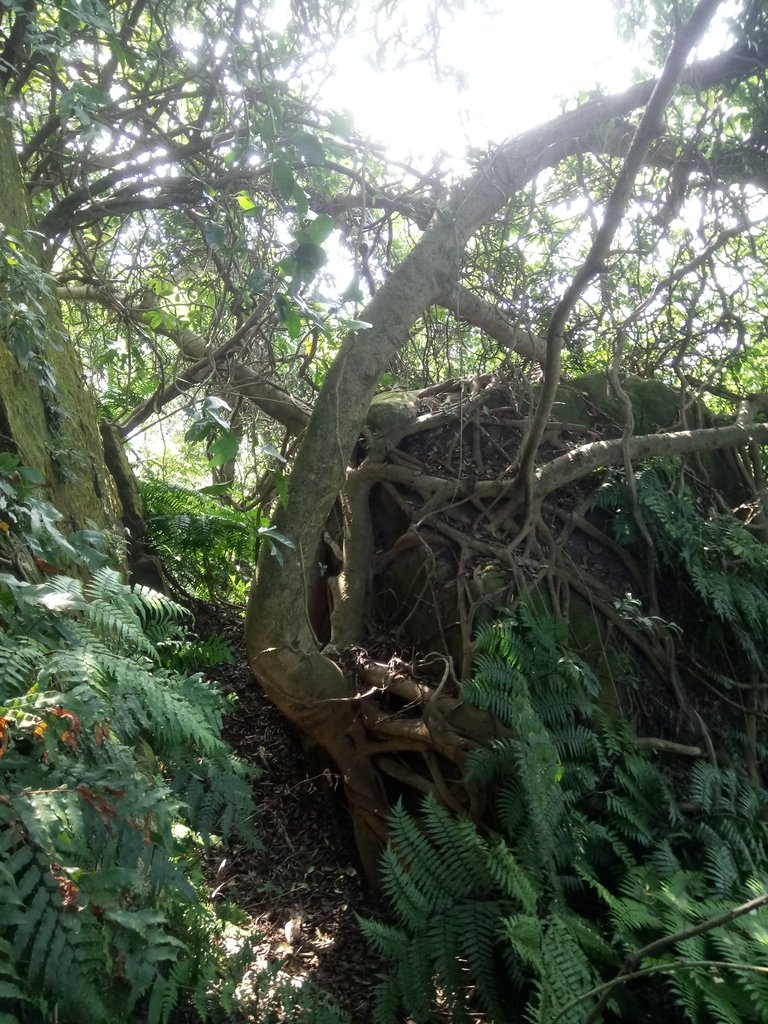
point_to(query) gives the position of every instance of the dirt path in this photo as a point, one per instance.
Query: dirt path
(303, 889)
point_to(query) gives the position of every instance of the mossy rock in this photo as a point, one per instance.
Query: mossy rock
(392, 412)
(586, 400)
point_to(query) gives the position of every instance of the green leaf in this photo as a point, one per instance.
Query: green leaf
(319, 229)
(287, 266)
(301, 201)
(199, 430)
(311, 149)
(271, 533)
(136, 920)
(293, 324)
(282, 175)
(161, 287)
(355, 325)
(153, 318)
(309, 258)
(282, 487)
(21, 340)
(215, 489)
(275, 538)
(245, 202)
(10, 991)
(269, 449)
(212, 407)
(223, 449)
(214, 234)
(257, 281)
(283, 307)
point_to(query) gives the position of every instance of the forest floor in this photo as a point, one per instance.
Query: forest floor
(302, 889)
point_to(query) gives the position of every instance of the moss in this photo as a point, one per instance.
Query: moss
(392, 412)
(53, 429)
(586, 400)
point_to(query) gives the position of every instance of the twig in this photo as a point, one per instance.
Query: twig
(627, 971)
(594, 264)
(678, 965)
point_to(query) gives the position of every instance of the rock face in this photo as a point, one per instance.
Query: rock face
(445, 560)
(392, 412)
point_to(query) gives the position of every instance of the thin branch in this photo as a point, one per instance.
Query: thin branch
(645, 972)
(586, 458)
(594, 264)
(465, 305)
(653, 948)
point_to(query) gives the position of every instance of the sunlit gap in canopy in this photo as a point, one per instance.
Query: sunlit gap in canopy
(506, 71)
(507, 68)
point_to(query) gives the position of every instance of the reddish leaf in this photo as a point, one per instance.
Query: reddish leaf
(104, 809)
(101, 733)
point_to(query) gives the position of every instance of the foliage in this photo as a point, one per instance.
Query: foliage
(24, 291)
(29, 521)
(709, 560)
(114, 779)
(189, 195)
(596, 851)
(208, 548)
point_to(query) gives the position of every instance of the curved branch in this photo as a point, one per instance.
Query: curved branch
(618, 201)
(465, 305)
(191, 344)
(589, 457)
(277, 606)
(271, 399)
(281, 406)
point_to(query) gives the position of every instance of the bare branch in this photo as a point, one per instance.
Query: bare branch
(584, 460)
(594, 264)
(465, 305)
(271, 399)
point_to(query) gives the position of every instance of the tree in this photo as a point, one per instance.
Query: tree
(167, 166)
(304, 678)
(41, 380)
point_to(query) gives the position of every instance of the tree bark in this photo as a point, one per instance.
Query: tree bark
(277, 612)
(54, 429)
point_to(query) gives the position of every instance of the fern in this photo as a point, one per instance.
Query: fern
(596, 853)
(207, 547)
(725, 566)
(100, 747)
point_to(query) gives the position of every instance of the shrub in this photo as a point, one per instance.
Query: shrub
(600, 866)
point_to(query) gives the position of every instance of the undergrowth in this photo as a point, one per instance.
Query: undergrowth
(207, 547)
(708, 560)
(114, 778)
(114, 784)
(601, 889)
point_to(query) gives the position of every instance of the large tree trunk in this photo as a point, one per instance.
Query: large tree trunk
(47, 415)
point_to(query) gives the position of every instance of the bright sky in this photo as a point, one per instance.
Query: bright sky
(519, 63)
